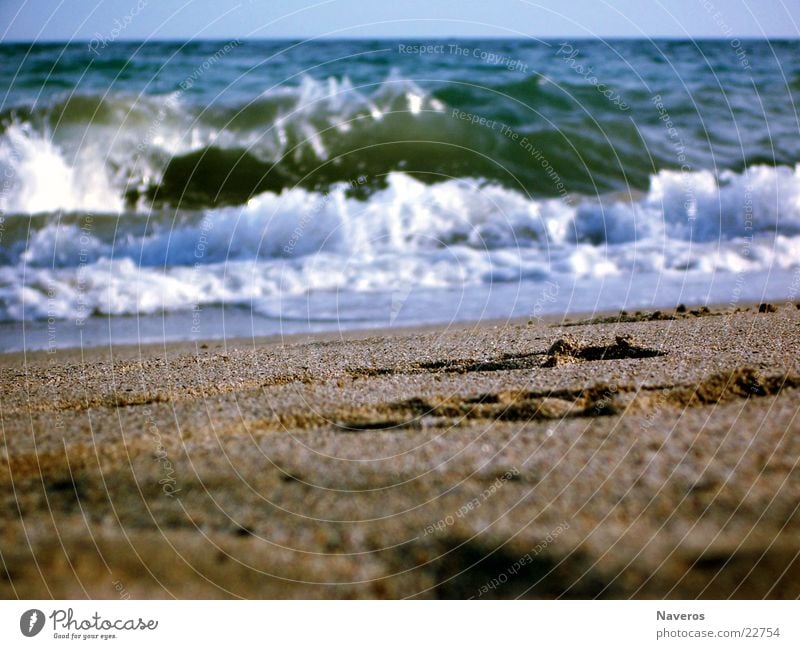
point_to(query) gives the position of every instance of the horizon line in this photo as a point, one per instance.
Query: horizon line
(178, 39)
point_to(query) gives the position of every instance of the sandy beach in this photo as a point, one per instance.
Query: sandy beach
(637, 455)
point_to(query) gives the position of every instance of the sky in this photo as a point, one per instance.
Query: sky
(64, 20)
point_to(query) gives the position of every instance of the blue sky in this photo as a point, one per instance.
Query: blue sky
(183, 19)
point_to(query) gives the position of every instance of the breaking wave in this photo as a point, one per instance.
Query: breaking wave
(450, 234)
(118, 152)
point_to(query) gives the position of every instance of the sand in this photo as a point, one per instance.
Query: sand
(645, 456)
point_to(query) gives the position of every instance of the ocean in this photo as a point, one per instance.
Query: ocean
(168, 191)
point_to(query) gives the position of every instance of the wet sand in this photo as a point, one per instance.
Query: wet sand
(637, 456)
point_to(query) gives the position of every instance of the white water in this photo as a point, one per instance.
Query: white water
(126, 141)
(409, 237)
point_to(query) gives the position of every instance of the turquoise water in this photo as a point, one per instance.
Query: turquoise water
(305, 186)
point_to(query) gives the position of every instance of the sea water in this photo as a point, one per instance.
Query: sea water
(166, 191)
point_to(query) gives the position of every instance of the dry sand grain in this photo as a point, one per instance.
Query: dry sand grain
(641, 456)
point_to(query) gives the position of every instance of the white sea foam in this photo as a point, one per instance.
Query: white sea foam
(84, 152)
(38, 177)
(443, 236)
